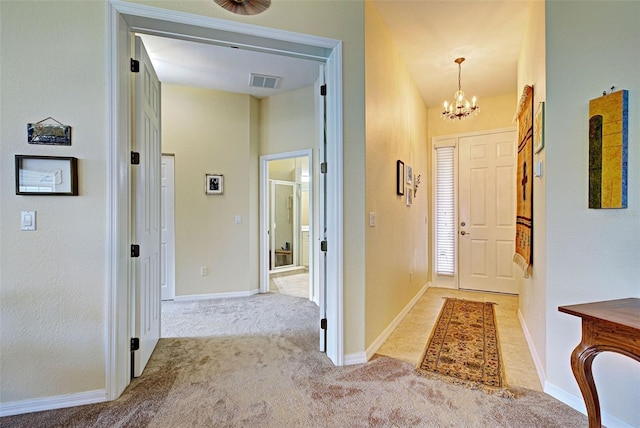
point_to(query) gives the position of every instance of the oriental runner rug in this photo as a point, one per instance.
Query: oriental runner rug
(464, 348)
(524, 184)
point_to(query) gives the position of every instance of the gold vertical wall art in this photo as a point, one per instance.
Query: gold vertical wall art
(608, 140)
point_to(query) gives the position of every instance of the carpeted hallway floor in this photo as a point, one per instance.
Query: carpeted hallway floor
(253, 362)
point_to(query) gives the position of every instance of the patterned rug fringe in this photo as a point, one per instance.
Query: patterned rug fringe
(498, 392)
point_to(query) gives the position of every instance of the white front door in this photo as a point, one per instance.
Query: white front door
(167, 229)
(146, 196)
(486, 206)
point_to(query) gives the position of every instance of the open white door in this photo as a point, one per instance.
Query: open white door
(486, 206)
(167, 230)
(146, 196)
(321, 247)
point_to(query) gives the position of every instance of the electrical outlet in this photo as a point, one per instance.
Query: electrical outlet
(204, 271)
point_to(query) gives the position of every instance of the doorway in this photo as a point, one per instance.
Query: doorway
(125, 18)
(287, 182)
(474, 178)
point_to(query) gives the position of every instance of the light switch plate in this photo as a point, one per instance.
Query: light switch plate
(538, 169)
(372, 219)
(28, 220)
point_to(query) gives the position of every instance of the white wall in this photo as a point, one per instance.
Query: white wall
(591, 254)
(532, 71)
(52, 280)
(288, 122)
(221, 132)
(495, 113)
(53, 56)
(210, 132)
(396, 128)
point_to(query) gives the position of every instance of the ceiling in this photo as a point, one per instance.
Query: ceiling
(429, 35)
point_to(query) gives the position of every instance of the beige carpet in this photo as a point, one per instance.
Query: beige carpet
(253, 362)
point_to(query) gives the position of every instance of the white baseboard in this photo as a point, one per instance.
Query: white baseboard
(51, 403)
(532, 350)
(226, 295)
(577, 403)
(357, 358)
(387, 331)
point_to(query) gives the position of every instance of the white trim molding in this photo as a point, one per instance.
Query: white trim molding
(532, 350)
(577, 403)
(353, 359)
(50, 403)
(227, 295)
(264, 208)
(373, 348)
(124, 17)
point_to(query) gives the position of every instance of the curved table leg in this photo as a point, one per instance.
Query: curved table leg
(581, 360)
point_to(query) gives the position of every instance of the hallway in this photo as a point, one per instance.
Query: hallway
(408, 340)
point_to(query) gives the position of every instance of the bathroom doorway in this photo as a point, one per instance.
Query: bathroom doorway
(290, 225)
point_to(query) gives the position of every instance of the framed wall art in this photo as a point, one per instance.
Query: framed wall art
(409, 175)
(214, 184)
(399, 177)
(50, 132)
(609, 150)
(538, 128)
(409, 197)
(46, 175)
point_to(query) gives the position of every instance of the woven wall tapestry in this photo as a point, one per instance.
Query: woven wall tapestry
(524, 185)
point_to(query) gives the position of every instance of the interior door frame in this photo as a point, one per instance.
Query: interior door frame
(123, 18)
(264, 211)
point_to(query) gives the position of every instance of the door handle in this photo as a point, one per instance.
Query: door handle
(464, 233)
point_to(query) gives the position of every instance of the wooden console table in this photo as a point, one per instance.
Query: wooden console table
(612, 325)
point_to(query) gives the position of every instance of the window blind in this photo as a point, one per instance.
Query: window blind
(445, 215)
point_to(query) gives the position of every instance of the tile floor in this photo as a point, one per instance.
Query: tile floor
(408, 340)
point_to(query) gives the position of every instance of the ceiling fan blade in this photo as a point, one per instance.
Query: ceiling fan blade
(244, 7)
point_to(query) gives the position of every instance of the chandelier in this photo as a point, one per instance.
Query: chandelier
(459, 107)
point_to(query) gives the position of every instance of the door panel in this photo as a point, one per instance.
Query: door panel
(167, 230)
(487, 212)
(146, 196)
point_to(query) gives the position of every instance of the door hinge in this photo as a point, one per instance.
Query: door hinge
(323, 90)
(323, 246)
(323, 323)
(135, 250)
(135, 344)
(135, 158)
(135, 66)
(323, 167)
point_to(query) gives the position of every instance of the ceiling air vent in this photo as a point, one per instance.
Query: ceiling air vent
(262, 81)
